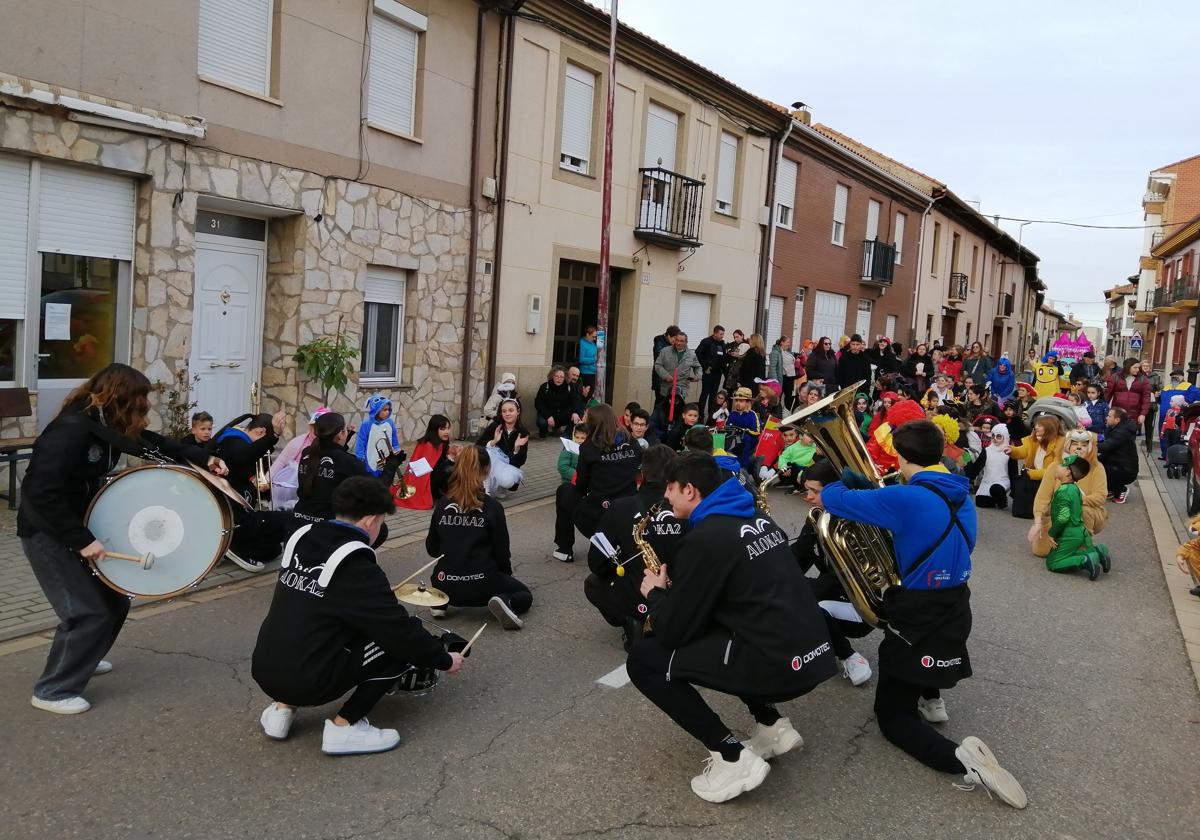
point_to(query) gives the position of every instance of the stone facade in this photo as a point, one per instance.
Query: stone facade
(316, 269)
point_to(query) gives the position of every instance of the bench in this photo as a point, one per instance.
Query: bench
(14, 402)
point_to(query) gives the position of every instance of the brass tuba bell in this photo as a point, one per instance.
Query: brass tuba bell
(861, 555)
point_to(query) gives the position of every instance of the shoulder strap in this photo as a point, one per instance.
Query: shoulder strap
(290, 549)
(335, 559)
(950, 526)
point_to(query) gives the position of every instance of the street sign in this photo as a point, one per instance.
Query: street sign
(1135, 343)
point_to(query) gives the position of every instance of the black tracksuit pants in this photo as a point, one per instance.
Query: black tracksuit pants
(371, 675)
(613, 598)
(901, 723)
(682, 703)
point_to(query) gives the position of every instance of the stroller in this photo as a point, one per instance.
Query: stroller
(1179, 460)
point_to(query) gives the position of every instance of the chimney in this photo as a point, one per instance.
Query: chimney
(801, 114)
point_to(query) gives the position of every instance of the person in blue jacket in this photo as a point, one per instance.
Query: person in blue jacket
(377, 428)
(1178, 385)
(587, 358)
(1002, 381)
(924, 649)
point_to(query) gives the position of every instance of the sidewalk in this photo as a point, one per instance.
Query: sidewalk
(23, 610)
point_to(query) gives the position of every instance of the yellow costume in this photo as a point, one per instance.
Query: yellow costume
(1046, 380)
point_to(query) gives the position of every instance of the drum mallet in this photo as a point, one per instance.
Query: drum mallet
(144, 560)
(428, 565)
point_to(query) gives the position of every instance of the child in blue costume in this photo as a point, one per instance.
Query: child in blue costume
(744, 417)
(378, 427)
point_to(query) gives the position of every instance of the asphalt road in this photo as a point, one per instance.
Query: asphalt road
(1082, 689)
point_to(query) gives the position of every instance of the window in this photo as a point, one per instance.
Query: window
(955, 241)
(934, 252)
(727, 173)
(862, 324)
(785, 192)
(898, 236)
(974, 264)
(579, 101)
(392, 67)
(383, 325)
(235, 43)
(662, 130)
(841, 198)
(874, 208)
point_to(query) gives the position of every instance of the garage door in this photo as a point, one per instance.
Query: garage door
(695, 316)
(774, 321)
(829, 316)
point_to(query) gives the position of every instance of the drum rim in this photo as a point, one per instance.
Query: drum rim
(226, 526)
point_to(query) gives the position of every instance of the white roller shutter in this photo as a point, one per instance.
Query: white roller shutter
(662, 128)
(841, 198)
(392, 75)
(774, 321)
(385, 287)
(873, 210)
(14, 241)
(579, 98)
(235, 42)
(785, 191)
(727, 172)
(695, 316)
(898, 235)
(85, 213)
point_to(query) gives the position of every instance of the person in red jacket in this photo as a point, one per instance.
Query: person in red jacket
(1129, 390)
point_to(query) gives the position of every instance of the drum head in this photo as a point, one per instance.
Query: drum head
(169, 512)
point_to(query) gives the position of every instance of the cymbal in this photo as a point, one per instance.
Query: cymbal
(420, 595)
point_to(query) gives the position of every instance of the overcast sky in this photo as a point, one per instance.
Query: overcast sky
(1054, 109)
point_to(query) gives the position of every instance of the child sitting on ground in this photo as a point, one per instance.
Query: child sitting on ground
(1073, 546)
(201, 432)
(689, 417)
(996, 471)
(568, 461)
(767, 405)
(797, 455)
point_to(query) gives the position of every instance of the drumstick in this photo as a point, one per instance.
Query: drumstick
(144, 560)
(417, 572)
(478, 633)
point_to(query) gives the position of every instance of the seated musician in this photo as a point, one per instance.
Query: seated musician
(468, 533)
(326, 463)
(335, 626)
(924, 648)
(102, 419)
(738, 618)
(258, 535)
(618, 597)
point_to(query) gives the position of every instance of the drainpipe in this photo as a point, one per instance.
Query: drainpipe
(766, 257)
(464, 401)
(920, 262)
(510, 24)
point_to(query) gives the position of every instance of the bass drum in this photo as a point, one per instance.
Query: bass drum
(175, 513)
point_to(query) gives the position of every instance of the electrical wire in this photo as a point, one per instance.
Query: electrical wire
(1080, 225)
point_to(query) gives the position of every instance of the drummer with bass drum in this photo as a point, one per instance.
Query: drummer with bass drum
(101, 420)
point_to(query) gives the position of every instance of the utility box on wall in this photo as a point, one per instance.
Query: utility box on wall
(533, 315)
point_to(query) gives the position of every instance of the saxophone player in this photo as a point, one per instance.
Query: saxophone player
(738, 618)
(616, 595)
(932, 520)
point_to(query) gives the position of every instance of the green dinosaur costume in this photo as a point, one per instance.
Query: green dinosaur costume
(1074, 540)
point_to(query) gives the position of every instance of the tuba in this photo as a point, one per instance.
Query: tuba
(383, 451)
(861, 555)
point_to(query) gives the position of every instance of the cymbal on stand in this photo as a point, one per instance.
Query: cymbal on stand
(420, 595)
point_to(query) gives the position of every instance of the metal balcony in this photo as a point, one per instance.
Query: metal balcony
(670, 208)
(1004, 307)
(959, 284)
(878, 263)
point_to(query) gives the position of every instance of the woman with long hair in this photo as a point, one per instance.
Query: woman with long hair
(1041, 452)
(326, 463)
(100, 420)
(754, 363)
(1129, 389)
(508, 447)
(977, 363)
(822, 362)
(469, 535)
(285, 467)
(919, 367)
(608, 468)
(434, 448)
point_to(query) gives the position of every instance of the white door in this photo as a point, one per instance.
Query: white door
(862, 325)
(227, 327)
(695, 316)
(890, 330)
(829, 316)
(798, 321)
(774, 321)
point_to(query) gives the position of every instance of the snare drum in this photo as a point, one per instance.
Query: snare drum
(172, 512)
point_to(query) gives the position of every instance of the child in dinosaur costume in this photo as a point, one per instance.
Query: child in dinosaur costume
(1073, 546)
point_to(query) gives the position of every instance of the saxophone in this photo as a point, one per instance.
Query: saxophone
(383, 451)
(649, 556)
(861, 555)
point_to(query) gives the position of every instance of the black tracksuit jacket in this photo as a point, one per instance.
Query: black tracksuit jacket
(662, 533)
(474, 546)
(335, 466)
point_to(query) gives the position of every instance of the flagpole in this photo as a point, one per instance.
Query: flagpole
(606, 213)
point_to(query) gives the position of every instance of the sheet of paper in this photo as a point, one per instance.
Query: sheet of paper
(601, 542)
(570, 445)
(58, 322)
(419, 467)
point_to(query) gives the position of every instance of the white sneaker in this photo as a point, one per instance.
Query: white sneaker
(983, 768)
(277, 722)
(933, 710)
(856, 668)
(102, 667)
(437, 612)
(246, 563)
(563, 556)
(770, 741)
(508, 619)
(357, 738)
(66, 706)
(723, 780)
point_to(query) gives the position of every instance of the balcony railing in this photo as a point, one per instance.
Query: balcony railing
(958, 286)
(670, 209)
(1155, 240)
(1182, 289)
(878, 263)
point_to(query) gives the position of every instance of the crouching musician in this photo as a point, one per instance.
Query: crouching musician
(738, 618)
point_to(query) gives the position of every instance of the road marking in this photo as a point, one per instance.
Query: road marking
(616, 678)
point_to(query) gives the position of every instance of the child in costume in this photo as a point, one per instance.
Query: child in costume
(996, 471)
(744, 418)
(879, 446)
(376, 433)
(798, 453)
(1047, 376)
(1073, 546)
